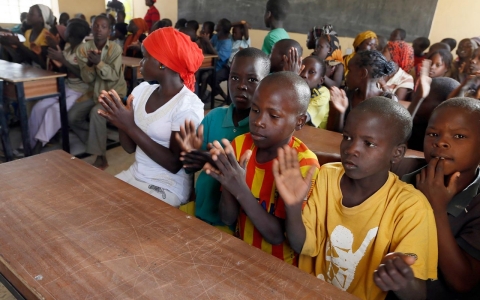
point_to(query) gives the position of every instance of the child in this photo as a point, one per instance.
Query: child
(465, 52)
(275, 13)
(419, 46)
(280, 57)
(400, 83)
(193, 24)
(441, 63)
(450, 42)
(121, 17)
(312, 37)
(249, 195)
(366, 40)
(381, 43)
(314, 74)
(120, 34)
(400, 53)
(328, 49)
(362, 229)
(63, 19)
(100, 63)
(148, 125)
(152, 15)
(137, 29)
(398, 35)
(18, 28)
(451, 182)
(44, 119)
(180, 23)
(207, 29)
(249, 67)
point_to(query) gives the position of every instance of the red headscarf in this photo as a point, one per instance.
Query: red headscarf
(177, 52)
(402, 54)
(142, 28)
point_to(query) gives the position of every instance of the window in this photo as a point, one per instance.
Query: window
(11, 9)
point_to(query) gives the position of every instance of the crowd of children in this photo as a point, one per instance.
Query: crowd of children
(353, 223)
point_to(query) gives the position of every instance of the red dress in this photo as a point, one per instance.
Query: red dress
(151, 16)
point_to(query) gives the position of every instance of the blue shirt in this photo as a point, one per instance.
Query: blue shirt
(223, 48)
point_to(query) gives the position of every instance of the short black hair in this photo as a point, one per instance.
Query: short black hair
(168, 22)
(278, 8)
(180, 23)
(469, 104)
(445, 55)
(121, 12)
(23, 16)
(226, 25)
(209, 24)
(257, 54)
(397, 115)
(451, 42)
(442, 87)
(423, 43)
(382, 43)
(159, 24)
(403, 33)
(122, 28)
(291, 82)
(376, 63)
(190, 32)
(79, 28)
(286, 44)
(438, 46)
(192, 24)
(102, 16)
(323, 70)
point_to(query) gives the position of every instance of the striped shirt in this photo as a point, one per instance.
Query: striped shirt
(261, 182)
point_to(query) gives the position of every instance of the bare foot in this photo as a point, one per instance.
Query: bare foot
(101, 162)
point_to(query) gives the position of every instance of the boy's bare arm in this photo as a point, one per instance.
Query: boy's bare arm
(232, 177)
(293, 189)
(228, 207)
(338, 106)
(460, 270)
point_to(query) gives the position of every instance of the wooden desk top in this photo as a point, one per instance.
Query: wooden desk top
(132, 62)
(328, 142)
(71, 231)
(13, 72)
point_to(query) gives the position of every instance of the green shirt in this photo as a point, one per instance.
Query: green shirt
(217, 124)
(108, 74)
(272, 37)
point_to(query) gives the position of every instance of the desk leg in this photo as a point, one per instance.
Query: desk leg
(63, 114)
(212, 84)
(22, 107)
(7, 147)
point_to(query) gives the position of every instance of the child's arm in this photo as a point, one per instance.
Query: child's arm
(246, 35)
(229, 208)
(459, 269)
(232, 177)
(57, 54)
(423, 88)
(87, 71)
(293, 189)
(337, 77)
(111, 68)
(395, 274)
(338, 106)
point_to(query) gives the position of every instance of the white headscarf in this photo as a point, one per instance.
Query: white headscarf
(47, 15)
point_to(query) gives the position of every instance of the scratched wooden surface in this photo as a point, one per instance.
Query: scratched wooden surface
(13, 72)
(70, 231)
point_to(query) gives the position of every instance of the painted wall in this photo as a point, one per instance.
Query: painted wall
(86, 7)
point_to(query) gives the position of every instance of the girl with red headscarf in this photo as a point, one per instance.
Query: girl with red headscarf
(154, 113)
(138, 29)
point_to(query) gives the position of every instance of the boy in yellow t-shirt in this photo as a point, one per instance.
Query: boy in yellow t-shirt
(362, 229)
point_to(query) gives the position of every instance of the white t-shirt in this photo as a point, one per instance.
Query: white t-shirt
(159, 125)
(236, 45)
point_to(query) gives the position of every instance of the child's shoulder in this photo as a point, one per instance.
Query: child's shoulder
(304, 154)
(406, 195)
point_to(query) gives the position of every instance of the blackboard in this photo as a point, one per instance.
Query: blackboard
(348, 17)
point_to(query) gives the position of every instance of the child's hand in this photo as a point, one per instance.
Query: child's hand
(292, 62)
(394, 272)
(339, 99)
(195, 160)
(52, 41)
(188, 138)
(431, 182)
(56, 54)
(115, 112)
(94, 57)
(288, 179)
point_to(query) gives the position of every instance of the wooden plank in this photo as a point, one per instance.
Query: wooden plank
(13, 72)
(131, 61)
(71, 231)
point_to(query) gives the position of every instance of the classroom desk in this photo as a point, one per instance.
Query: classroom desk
(131, 71)
(71, 231)
(209, 63)
(26, 83)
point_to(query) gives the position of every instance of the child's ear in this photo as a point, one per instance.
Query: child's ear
(398, 153)
(322, 80)
(364, 73)
(301, 120)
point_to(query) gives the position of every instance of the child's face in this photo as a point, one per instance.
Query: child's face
(276, 59)
(34, 16)
(367, 147)
(274, 116)
(100, 29)
(465, 49)
(149, 66)
(237, 33)
(312, 73)
(206, 29)
(452, 134)
(475, 63)
(368, 44)
(438, 68)
(355, 75)
(322, 47)
(245, 75)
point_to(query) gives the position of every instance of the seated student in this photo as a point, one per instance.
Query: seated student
(328, 49)
(137, 29)
(34, 49)
(401, 53)
(366, 40)
(281, 57)
(121, 17)
(438, 46)
(100, 63)
(441, 63)
(429, 94)
(381, 43)
(188, 31)
(367, 68)
(275, 13)
(18, 28)
(168, 22)
(120, 33)
(399, 83)
(249, 195)
(451, 42)
(312, 37)
(180, 23)
(451, 182)
(362, 229)
(314, 74)
(154, 113)
(44, 119)
(152, 15)
(398, 34)
(82, 16)
(461, 64)
(193, 24)
(419, 46)
(249, 67)
(207, 29)
(470, 87)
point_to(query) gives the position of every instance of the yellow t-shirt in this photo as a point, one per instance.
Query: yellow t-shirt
(319, 107)
(344, 246)
(40, 41)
